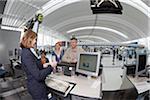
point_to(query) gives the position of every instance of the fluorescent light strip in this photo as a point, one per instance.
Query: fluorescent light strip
(103, 18)
(86, 41)
(100, 28)
(11, 28)
(91, 36)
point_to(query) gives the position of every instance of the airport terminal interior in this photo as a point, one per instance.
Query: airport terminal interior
(114, 36)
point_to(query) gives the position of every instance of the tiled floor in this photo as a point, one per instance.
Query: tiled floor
(107, 61)
(20, 96)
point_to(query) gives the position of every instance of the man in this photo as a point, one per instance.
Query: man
(71, 54)
(114, 54)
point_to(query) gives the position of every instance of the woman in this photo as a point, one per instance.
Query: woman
(35, 75)
(58, 52)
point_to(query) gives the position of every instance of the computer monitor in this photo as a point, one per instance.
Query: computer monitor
(141, 63)
(88, 63)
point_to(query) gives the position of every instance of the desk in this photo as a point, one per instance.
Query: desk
(92, 88)
(140, 84)
(111, 78)
(84, 87)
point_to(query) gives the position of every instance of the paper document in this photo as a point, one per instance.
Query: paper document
(142, 86)
(96, 84)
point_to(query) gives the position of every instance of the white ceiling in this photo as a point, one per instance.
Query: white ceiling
(147, 2)
(65, 15)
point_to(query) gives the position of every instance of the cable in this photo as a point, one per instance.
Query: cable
(95, 22)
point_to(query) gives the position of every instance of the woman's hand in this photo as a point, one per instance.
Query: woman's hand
(53, 63)
(45, 65)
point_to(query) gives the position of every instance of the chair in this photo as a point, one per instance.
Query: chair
(16, 68)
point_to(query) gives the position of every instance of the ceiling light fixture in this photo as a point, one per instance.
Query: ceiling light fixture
(11, 28)
(100, 28)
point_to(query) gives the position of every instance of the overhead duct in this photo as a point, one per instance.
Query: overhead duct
(106, 6)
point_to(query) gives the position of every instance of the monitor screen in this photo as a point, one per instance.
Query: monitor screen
(141, 63)
(88, 63)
